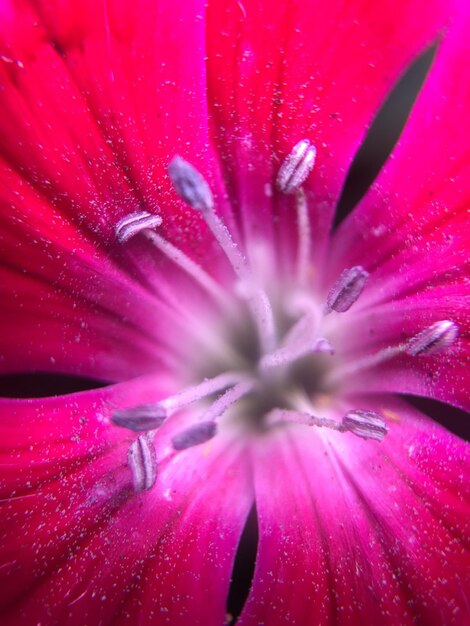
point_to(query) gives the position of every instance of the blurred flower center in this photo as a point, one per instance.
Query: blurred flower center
(264, 356)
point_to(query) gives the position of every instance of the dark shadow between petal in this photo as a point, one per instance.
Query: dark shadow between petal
(454, 419)
(243, 568)
(43, 385)
(383, 134)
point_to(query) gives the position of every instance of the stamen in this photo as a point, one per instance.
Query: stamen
(304, 329)
(142, 460)
(194, 190)
(134, 223)
(189, 266)
(231, 396)
(140, 418)
(433, 339)
(198, 392)
(290, 354)
(296, 167)
(429, 341)
(365, 424)
(362, 423)
(347, 289)
(142, 222)
(304, 236)
(194, 435)
(278, 416)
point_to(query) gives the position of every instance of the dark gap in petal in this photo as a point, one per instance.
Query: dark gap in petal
(454, 419)
(243, 567)
(43, 384)
(383, 134)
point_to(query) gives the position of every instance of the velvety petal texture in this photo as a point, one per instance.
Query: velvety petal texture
(376, 531)
(96, 99)
(79, 546)
(411, 232)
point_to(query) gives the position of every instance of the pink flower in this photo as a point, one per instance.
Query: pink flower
(168, 178)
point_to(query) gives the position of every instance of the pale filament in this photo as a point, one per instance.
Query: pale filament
(289, 354)
(200, 276)
(232, 395)
(198, 392)
(192, 187)
(141, 223)
(256, 297)
(304, 235)
(431, 340)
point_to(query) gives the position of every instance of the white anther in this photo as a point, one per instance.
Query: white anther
(143, 222)
(194, 435)
(134, 223)
(190, 184)
(193, 188)
(347, 289)
(365, 424)
(142, 460)
(140, 418)
(433, 339)
(296, 167)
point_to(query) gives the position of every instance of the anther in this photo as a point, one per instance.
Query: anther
(140, 418)
(194, 435)
(142, 460)
(296, 167)
(143, 222)
(362, 423)
(134, 223)
(347, 289)
(365, 424)
(433, 339)
(190, 185)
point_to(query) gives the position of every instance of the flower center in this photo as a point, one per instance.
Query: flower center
(268, 362)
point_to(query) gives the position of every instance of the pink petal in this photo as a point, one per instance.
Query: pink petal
(79, 546)
(411, 233)
(86, 320)
(280, 73)
(410, 230)
(67, 306)
(352, 529)
(116, 98)
(444, 376)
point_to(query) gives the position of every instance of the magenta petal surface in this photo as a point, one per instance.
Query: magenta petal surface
(96, 100)
(444, 377)
(81, 547)
(411, 232)
(350, 529)
(317, 70)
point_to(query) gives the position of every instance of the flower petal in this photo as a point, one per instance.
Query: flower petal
(352, 528)
(443, 376)
(299, 70)
(409, 231)
(78, 544)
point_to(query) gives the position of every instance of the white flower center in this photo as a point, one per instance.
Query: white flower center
(266, 356)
